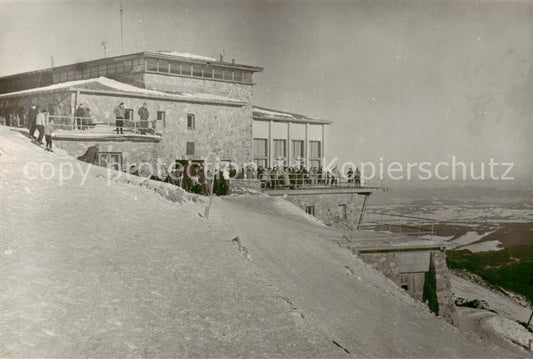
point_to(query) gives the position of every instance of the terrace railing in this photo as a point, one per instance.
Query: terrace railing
(76, 124)
(276, 181)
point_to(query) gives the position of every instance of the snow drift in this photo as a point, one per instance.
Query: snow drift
(111, 269)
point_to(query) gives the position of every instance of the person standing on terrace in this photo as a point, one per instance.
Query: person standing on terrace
(120, 111)
(143, 114)
(357, 177)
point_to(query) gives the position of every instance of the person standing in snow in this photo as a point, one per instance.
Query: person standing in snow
(32, 115)
(40, 122)
(120, 112)
(357, 177)
(48, 131)
(143, 114)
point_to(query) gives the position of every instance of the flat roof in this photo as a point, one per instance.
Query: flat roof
(106, 86)
(265, 114)
(186, 57)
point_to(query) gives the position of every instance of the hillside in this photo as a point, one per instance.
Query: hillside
(101, 268)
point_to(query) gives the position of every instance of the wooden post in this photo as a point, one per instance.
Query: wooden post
(363, 209)
(208, 207)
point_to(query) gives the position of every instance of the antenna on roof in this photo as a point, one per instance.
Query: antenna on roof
(121, 30)
(51, 61)
(104, 44)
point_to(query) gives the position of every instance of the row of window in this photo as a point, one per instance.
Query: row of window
(108, 69)
(153, 65)
(198, 70)
(261, 151)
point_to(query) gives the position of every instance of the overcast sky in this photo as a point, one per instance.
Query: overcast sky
(406, 81)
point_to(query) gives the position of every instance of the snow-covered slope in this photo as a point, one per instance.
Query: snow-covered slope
(109, 269)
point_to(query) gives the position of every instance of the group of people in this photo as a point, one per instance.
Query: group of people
(192, 177)
(39, 121)
(144, 114)
(295, 177)
(82, 116)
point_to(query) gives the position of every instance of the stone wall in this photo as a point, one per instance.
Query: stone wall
(388, 264)
(195, 85)
(327, 206)
(220, 130)
(132, 152)
(385, 262)
(444, 287)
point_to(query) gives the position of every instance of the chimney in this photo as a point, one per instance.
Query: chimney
(233, 61)
(221, 58)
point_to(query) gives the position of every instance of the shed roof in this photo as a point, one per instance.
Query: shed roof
(105, 85)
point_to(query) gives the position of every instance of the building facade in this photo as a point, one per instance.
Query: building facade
(200, 108)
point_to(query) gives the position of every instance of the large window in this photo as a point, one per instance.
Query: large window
(175, 68)
(111, 68)
(315, 154)
(297, 153)
(151, 65)
(197, 70)
(186, 69)
(218, 72)
(102, 70)
(280, 152)
(162, 66)
(128, 66)
(120, 67)
(261, 152)
(207, 71)
(237, 75)
(228, 74)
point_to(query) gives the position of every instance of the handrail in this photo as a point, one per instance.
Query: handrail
(77, 123)
(297, 180)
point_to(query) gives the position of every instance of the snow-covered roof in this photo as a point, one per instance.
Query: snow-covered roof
(261, 113)
(187, 55)
(106, 85)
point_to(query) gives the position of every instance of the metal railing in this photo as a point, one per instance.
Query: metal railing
(89, 124)
(283, 180)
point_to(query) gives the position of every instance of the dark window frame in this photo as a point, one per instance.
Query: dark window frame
(191, 121)
(190, 148)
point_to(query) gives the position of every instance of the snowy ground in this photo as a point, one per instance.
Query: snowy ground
(117, 270)
(498, 325)
(502, 304)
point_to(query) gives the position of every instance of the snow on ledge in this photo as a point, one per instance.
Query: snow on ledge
(123, 87)
(272, 113)
(187, 55)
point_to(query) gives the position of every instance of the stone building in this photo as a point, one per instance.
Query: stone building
(200, 108)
